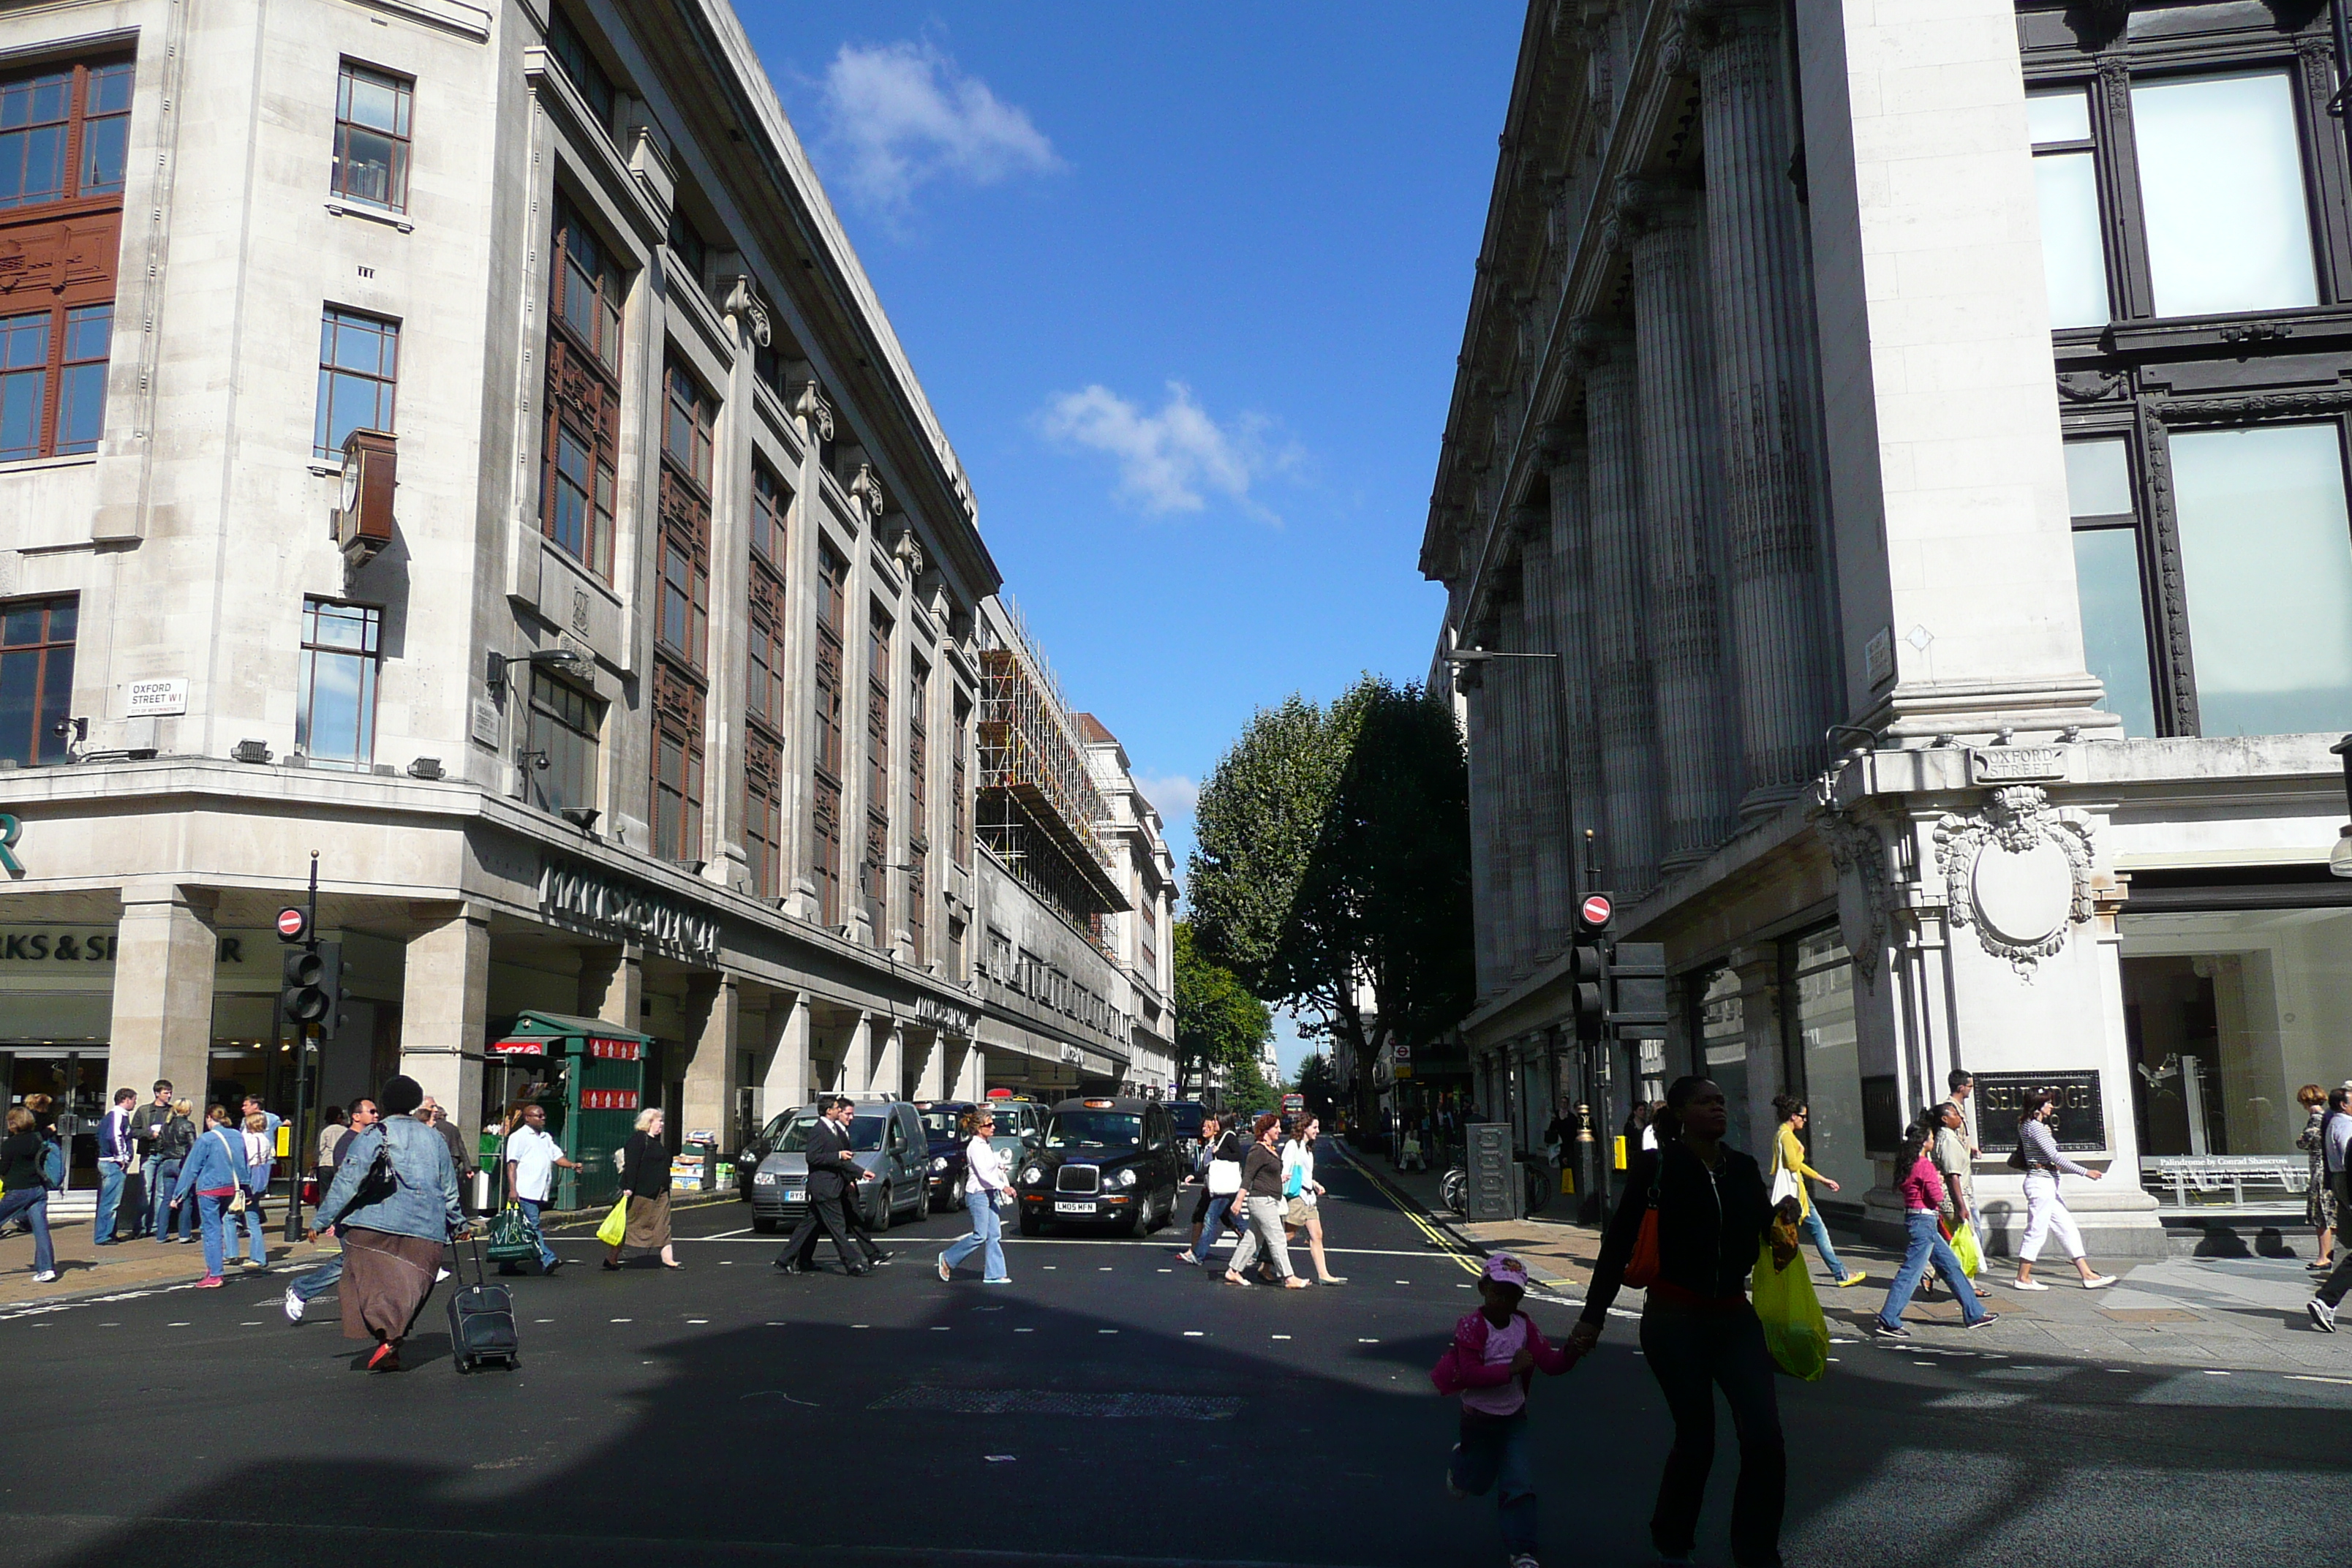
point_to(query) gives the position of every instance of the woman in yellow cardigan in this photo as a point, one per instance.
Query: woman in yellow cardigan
(1789, 1174)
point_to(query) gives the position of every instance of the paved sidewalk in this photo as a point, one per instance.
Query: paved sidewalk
(85, 1269)
(2210, 1313)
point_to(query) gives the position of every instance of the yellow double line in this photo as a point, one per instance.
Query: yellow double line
(1471, 1262)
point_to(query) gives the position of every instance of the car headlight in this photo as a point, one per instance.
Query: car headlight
(1032, 1175)
(1126, 1177)
(939, 1163)
(765, 1178)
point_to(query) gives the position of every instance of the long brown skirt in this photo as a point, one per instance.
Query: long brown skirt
(387, 1279)
(648, 1222)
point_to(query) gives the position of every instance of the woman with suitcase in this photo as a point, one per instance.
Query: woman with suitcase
(395, 1206)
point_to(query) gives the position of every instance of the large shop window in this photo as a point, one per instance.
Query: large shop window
(582, 436)
(2107, 576)
(564, 726)
(335, 721)
(2226, 1015)
(1824, 1062)
(359, 370)
(1719, 1025)
(37, 668)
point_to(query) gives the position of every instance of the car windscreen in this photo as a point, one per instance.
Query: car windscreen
(942, 1123)
(865, 1133)
(1186, 1118)
(1094, 1130)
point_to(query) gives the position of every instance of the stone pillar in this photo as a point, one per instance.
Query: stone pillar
(1626, 696)
(787, 1083)
(709, 1102)
(164, 950)
(445, 1007)
(927, 1055)
(1687, 644)
(1758, 969)
(1764, 385)
(1577, 743)
(612, 985)
(970, 1077)
(1546, 828)
(1489, 917)
(886, 1047)
(1507, 689)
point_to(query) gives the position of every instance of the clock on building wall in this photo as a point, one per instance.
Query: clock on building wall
(363, 510)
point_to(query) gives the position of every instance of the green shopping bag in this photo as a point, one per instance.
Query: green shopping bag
(617, 1224)
(1965, 1248)
(1794, 1328)
(511, 1237)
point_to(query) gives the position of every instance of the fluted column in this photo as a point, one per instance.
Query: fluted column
(1506, 684)
(1571, 633)
(1546, 828)
(1488, 916)
(1764, 384)
(1686, 646)
(1625, 695)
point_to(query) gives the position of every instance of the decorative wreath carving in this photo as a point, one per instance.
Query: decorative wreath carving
(2017, 873)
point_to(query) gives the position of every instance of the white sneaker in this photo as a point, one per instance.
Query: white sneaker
(2028, 1285)
(2098, 1281)
(2323, 1316)
(440, 1275)
(294, 1305)
(46, 1277)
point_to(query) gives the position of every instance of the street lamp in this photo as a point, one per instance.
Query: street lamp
(2339, 859)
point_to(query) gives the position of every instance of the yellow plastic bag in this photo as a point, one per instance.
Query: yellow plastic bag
(617, 1224)
(1965, 1248)
(1794, 1328)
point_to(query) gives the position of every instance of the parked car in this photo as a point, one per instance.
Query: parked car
(1184, 1119)
(943, 1126)
(893, 1159)
(1107, 1160)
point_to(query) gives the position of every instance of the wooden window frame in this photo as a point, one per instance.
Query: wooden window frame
(827, 683)
(583, 398)
(75, 187)
(918, 838)
(404, 90)
(323, 447)
(52, 654)
(873, 880)
(369, 656)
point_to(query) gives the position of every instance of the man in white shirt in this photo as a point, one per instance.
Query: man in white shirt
(533, 1158)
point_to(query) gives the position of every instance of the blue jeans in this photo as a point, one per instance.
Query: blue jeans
(1493, 1453)
(1819, 1235)
(33, 1204)
(220, 1231)
(1212, 1225)
(162, 1175)
(110, 1194)
(257, 1249)
(987, 1230)
(1927, 1246)
(319, 1279)
(531, 1212)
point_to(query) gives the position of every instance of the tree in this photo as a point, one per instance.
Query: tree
(1319, 1083)
(1333, 866)
(1219, 1025)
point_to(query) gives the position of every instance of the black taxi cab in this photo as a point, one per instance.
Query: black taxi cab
(1105, 1160)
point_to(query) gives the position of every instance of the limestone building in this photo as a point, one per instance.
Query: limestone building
(459, 440)
(1918, 433)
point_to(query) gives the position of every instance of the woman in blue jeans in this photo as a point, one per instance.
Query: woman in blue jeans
(1922, 1189)
(214, 1171)
(25, 1188)
(986, 1186)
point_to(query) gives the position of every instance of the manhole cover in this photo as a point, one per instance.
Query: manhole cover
(1050, 1402)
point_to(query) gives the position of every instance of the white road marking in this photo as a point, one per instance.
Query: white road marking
(1106, 1330)
(1196, 1334)
(1281, 1336)
(625, 1320)
(1025, 1330)
(2306, 1377)
(698, 1319)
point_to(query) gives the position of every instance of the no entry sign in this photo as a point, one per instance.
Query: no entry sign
(293, 925)
(1595, 910)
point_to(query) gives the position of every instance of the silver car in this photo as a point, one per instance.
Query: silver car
(892, 1155)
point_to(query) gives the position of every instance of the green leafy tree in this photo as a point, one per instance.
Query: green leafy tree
(1333, 866)
(1219, 1025)
(1320, 1082)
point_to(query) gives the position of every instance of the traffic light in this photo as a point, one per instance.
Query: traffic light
(313, 986)
(1588, 966)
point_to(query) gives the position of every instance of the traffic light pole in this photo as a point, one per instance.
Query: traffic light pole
(294, 1142)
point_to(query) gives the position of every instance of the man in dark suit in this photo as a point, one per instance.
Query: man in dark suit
(832, 1176)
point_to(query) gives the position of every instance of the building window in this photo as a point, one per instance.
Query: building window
(65, 132)
(2108, 578)
(335, 721)
(873, 873)
(52, 380)
(824, 814)
(918, 793)
(2222, 194)
(564, 724)
(36, 664)
(686, 243)
(583, 398)
(764, 815)
(686, 434)
(677, 796)
(2066, 183)
(958, 788)
(685, 603)
(359, 367)
(569, 47)
(371, 138)
(1823, 1060)
(771, 504)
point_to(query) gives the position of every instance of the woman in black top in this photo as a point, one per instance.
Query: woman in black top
(1698, 1329)
(1262, 1192)
(25, 1190)
(645, 1161)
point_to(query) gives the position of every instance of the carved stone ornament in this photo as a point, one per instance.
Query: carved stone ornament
(744, 300)
(812, 408)
(1857, 850)
(2017, 872)
(865, 489)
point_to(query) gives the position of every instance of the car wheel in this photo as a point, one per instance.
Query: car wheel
(1030, 1224)
(887, 1208)
(1139, 1223)
(956, 1195)
(762, 1226)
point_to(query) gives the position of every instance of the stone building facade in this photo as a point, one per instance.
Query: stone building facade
(1911, 440)
(467, 447)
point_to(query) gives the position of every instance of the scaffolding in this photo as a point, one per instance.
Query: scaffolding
(1039, 808)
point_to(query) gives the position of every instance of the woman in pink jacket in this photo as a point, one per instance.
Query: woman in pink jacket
(1922, 1191)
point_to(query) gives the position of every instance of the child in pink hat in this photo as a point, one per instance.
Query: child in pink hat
(1496, 1352)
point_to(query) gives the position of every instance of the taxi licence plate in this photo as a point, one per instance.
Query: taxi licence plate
(1074, 1208)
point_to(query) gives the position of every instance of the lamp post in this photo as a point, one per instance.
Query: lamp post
(2339, 859)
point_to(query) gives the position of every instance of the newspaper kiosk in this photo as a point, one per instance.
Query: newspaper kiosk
(589, 1074)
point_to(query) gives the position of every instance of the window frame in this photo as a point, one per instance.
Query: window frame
(49, 708)
(582, 396)
(919, 837)
(75, 188)
(403, 88)
(827, 679)
(874, 876)
(331, 318)
(57, 322)
(541, 713)
(369, 656)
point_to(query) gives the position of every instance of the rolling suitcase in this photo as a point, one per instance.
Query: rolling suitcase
(481, 1320)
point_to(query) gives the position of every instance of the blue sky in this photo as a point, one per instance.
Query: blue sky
(1185, 287)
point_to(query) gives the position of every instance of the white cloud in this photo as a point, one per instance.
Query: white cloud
(897, 115)
(1173, 793)
(1167, 460)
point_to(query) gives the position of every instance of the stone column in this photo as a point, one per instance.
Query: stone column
(927, 1053)
(709, 1102)
(1488, 915)
(1624, 695)
(612, 985)
(1687, 644)
(887, 1043)
(1507, 685)
(813, 419)
(966, 1072)
(1547, 829)
(787, 1083)
(1571, 543)
(1765, 388)
(445, 1007)
(164, 951)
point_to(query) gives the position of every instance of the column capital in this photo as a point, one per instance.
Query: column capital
(1646, 205)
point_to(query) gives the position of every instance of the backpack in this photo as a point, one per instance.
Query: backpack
(53, 1164)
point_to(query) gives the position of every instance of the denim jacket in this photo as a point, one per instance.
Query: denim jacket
(217, 1161)
(423, 1202)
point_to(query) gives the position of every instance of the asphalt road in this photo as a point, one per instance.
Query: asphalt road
(1111, 1407)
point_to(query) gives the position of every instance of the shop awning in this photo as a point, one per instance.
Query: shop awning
(538, 1034)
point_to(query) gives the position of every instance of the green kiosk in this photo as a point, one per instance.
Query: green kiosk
(590, 1075)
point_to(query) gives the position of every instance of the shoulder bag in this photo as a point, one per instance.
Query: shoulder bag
(1643, 1267)
(1784, 1180)
(236, 1197)
(379, 1182)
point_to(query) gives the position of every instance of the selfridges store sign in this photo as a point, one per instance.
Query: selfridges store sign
(577, 896)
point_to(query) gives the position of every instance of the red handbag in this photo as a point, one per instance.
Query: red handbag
(1642, 1267)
